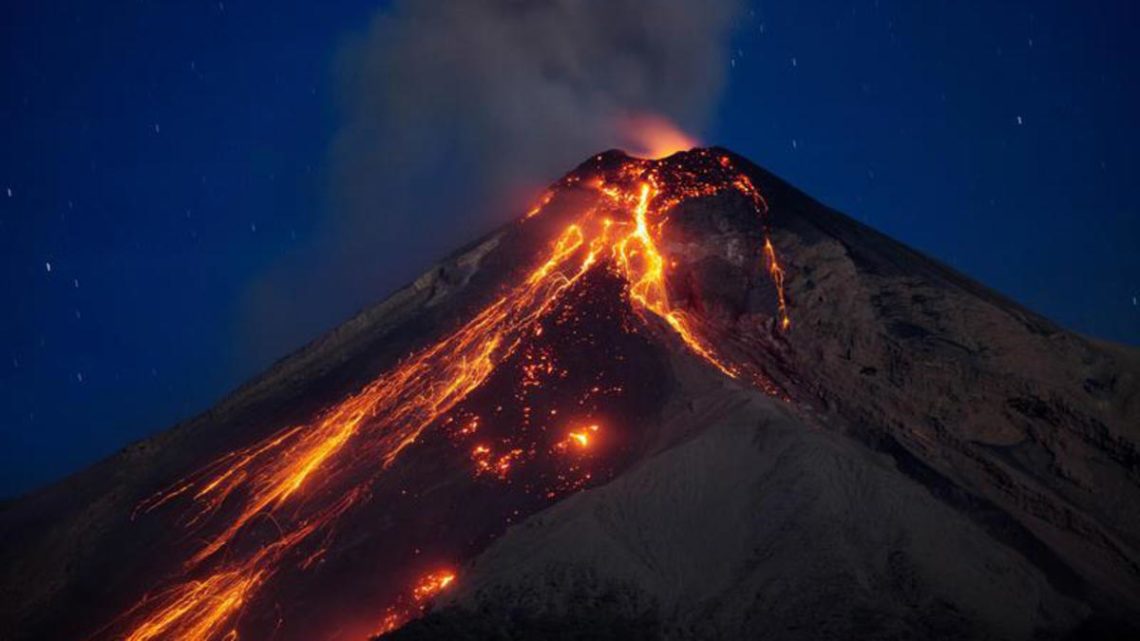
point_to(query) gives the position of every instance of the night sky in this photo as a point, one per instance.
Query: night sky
(159, 158)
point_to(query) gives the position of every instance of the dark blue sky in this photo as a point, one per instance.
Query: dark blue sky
(161, 157)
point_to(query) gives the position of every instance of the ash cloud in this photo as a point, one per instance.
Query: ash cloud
(457, 111)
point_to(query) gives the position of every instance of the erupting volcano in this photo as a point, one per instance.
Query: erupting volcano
(304, 478)
(674, 399)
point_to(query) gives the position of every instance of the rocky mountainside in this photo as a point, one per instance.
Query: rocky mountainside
(679, 399)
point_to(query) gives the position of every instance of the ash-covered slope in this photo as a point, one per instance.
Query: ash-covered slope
(650, 408)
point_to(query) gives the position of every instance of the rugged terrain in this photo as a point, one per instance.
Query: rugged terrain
(800, 429)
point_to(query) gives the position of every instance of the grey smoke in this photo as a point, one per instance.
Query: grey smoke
(455, 111)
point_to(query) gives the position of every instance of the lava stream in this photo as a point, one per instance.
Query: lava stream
(305, 477)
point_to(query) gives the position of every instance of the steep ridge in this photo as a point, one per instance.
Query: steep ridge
(781, 412)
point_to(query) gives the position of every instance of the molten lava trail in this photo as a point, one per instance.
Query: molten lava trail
(305, 477)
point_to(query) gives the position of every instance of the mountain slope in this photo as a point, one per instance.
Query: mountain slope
(795, 425)
(761, 522)
(985, 484)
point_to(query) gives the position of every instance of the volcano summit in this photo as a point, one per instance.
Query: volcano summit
(677, 399)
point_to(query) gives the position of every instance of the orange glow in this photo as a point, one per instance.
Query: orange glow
(424, 589)
(305, 477)
(580, 438)
(432, 584)
(195, 618)
(542, 202)
(652, 136)
(777, 273)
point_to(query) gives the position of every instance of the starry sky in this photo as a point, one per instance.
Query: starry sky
(157, 159)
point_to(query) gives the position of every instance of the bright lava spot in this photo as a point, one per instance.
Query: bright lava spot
(432, 584)
(417, 599)
(579, 438)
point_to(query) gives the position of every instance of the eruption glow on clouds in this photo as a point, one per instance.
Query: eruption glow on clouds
(496, 98)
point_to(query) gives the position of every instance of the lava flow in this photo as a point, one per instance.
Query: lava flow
(305, 478)
(427, 587)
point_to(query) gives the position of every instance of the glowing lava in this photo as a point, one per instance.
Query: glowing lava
(580, 439)
(431, 585)
(652, 136)
(421, 593)
(305, 477)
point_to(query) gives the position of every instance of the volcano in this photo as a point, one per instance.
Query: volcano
(677, 399)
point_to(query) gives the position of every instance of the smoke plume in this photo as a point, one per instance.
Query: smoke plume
(456, 111)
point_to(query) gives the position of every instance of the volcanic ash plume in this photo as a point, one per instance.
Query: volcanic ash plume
(456, 113)
(523, 90)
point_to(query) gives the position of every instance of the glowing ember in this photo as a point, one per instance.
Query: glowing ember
(427, 587)
(304, 478)
(431, 585)
(580, 438)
